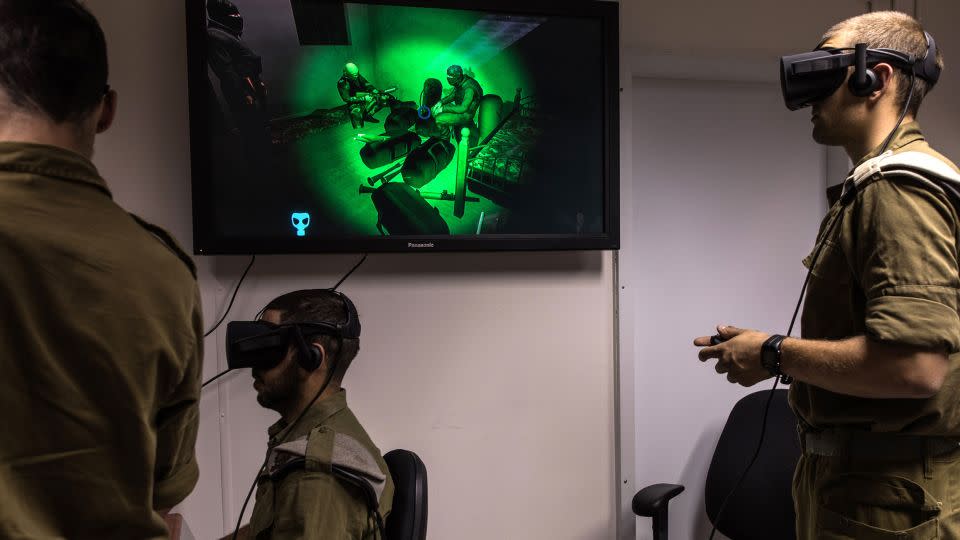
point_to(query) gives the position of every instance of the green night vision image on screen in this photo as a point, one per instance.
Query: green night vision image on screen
(403, 121)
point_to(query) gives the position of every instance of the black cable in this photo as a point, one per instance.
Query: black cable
(354, 269)
(289, 430)
(766, 410)
(903, 114)
(214, 378)
(234, 297)
(756, 453)
(793, 320)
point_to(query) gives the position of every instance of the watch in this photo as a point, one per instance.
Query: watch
(770, 355)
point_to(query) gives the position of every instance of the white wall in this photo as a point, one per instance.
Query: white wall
(498, 369)
(725, 204)
(709, 238)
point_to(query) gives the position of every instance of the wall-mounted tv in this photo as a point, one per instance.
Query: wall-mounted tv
(403, 125)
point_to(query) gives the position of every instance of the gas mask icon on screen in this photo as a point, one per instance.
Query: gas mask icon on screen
(300, 220)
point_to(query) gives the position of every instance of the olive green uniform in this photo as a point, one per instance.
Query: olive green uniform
(888, 271)
(100, 356)
(308, 501)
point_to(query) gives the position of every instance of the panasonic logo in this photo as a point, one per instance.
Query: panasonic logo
(425, 245)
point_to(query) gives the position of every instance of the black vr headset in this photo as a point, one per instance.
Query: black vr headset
(260, 344)
(810, 77)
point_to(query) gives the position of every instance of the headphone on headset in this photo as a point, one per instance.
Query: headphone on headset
(308, 355)
(865, 80)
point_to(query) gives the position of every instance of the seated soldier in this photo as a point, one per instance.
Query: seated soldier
(324, 478)
(459, 107)
(360, 95)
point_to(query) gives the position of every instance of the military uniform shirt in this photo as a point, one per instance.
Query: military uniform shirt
(887, 271)
(309, 503)
(100, 356)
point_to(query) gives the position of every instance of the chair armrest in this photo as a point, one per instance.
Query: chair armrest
(651, 500)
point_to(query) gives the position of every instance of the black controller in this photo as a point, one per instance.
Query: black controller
(717, 339)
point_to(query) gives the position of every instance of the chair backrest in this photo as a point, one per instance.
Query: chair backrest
(408, 518)
(762, 507)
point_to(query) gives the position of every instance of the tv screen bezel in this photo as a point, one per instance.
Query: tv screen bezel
(206, 242)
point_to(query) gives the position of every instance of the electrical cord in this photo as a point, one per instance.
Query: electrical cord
(903, 114)
(288, 430)
(816, 256)
(232, 298)
(260, 313)
(221, 374)
(776, 381)
(350, 273)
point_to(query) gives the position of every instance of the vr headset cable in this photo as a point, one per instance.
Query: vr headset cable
(803, 290)
(343, 279)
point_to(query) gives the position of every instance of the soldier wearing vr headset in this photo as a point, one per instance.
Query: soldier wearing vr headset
(324, 477)
(876, 370)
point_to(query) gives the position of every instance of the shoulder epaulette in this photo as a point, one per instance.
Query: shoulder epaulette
(339, 454)
(928, 170)
(168, 240)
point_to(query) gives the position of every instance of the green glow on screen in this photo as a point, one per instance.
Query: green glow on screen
(396, 47)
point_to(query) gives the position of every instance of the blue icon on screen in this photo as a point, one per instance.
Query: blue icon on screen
(300, 220)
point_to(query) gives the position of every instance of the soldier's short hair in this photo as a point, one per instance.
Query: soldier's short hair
(53, 58)
(891, 30)
(319, 305)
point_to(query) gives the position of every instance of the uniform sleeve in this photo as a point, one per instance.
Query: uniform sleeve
(314, 505)
(906, 260)
(176, 471)
(367, 85)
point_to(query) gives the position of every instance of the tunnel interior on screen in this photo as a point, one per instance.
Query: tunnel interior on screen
(407, 121)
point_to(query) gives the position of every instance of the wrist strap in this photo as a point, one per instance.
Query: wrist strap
(774, 343)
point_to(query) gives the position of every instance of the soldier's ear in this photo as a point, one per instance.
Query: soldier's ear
(108, 111)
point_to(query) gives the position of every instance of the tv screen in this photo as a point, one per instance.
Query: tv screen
(321, 126)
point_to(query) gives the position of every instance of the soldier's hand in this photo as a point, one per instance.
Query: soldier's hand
(738, 356)
(250, 100)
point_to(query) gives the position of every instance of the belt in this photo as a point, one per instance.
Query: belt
(866, 444)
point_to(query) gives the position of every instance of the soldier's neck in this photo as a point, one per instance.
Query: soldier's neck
(17, 126)
(296, 408)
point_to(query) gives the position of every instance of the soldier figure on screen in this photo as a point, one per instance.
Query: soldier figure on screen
(363, 99)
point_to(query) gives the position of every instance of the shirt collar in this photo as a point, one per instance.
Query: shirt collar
(321, 410)
(51, 162)
(905, 134)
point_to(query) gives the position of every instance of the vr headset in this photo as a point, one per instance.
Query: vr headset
(810, 77)
(261, 344)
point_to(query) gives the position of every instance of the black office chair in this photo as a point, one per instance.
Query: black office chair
(762, 507)
(408, 518)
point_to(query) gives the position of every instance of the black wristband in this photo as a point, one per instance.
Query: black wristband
(770, 354)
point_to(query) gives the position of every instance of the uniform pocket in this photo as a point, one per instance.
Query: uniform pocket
(261, 519)
(876, 507)
(830, 263)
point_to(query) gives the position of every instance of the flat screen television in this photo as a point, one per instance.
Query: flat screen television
(403, 125)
